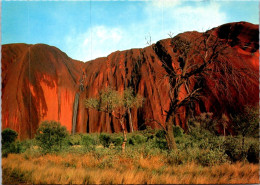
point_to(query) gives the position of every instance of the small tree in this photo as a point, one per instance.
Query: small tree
(116, 105)
(50, 136)
(197, 59)
(130, 101)
(224, 124)
(247, 123)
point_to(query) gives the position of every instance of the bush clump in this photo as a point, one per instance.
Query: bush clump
(177, 131)
(233, 148)
(51, 136)
(117, 141)
(253, 153)
(87, 141)
(8, 142)
(8, 136)
(74, 140)
(105, 140)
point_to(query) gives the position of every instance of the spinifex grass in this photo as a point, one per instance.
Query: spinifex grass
(95, 167)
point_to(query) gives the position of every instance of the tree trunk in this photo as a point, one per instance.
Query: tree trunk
(224, 132)
(243, 141)
(124, 135)
(169, 135)
(130, 120)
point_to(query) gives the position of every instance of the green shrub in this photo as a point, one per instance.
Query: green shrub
(51, 136)
(87, 141)
(8, 136)
(105, 140)
(8, 142)
(136, 139)
(198, 133)
(117, 141)
(247, 122)
(177, 131)
(74, 140)
(26, 144)
(253, 153)
(12, 148)
(234, 149)
(139, 139)
(160, 134)
(211, 157)
(131, 141)
(161, 144)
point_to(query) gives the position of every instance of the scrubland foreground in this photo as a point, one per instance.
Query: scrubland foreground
(91, 168)
(201, 158)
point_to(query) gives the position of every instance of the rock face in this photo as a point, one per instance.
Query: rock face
(40, 82)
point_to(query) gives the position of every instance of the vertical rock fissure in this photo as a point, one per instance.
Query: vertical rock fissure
(75, 113)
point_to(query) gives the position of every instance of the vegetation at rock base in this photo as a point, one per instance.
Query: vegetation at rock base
(203, 155)
(50, 136)
(8, 142)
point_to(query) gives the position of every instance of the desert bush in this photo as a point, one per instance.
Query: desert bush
(247, 122)
(13, 147)
(211, 157)
(8, 142)
(8, 136)
(117, 141)
(148, 132)
(74, 139)
(87, 141)
(253, 153)
(199, 133)
(137, 139)
(26, 144)
(177, 131)
(105, 139)
(51, 136)
(234, 149)
(161, 143)
(160, 134)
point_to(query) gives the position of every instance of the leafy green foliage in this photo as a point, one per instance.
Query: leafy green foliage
(117, 141)
(247, 123)
(8, 136)
(204, 121)
(8, 142)
(105, 140)
(107, 101)
(235, 149)
(130, 100)
(160, 134)
(74, 139)
(253, 153)
(177, 131)
(87, 141)
(51, 135)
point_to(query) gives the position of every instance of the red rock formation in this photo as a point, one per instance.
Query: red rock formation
(40, 82)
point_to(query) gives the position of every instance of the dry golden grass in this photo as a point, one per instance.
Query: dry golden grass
(117, 169)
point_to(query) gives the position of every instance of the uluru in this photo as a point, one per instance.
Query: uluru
(40, 82)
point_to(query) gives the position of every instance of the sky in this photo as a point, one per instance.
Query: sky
(85, 30)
